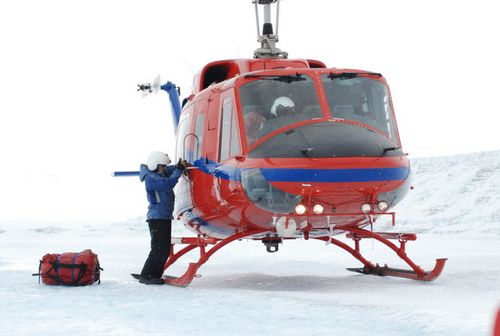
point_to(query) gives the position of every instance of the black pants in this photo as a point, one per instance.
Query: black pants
(160, 230)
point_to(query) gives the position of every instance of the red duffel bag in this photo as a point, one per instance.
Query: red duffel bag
(70, 269)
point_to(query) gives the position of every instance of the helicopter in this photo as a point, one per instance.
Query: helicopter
(282, 148)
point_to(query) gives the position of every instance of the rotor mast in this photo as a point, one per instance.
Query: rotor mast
(267, 38)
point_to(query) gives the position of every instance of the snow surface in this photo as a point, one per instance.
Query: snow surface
(303, 289)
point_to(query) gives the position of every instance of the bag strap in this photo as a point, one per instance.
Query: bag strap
(97, 272)
(57, 269)
(82, 268)
(57, 279)
(39, 271)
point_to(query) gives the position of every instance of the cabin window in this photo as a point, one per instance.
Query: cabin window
(180, 149)
(361, 99)
(271, 102)
(198, 138)
(229, 140)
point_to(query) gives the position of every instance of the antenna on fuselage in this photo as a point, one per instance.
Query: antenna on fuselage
(267, 39)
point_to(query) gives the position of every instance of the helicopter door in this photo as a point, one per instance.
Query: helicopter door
(230, 145)
(183, 199)
(230, 148)
(211, 136)
(201, 180)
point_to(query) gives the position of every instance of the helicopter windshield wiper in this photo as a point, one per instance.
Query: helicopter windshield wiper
(285, 78)
(389, 149)
(350, 75)
(307, 151)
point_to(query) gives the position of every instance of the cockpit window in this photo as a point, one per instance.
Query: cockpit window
(361, 99)
(272, 102)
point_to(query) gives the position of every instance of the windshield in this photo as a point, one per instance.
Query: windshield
(273, 102)
(360, 99)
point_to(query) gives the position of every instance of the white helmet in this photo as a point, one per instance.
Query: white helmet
(284, 102)
(157, 158)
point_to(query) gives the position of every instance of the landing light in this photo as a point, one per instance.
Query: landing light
(300, 209)
(383, 206)
(318, 209)
(366, 208)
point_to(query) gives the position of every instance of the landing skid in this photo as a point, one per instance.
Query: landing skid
(402, 273)
(416, 273)
(355, 233)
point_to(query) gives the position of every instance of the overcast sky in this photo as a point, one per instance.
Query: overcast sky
(69, 71)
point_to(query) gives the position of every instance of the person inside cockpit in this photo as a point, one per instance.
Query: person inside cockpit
(281, 113)
(282, 106)
(253, 123)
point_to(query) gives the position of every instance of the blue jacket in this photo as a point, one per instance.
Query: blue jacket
(160, 191)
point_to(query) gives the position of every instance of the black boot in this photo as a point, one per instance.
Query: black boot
(151, 281)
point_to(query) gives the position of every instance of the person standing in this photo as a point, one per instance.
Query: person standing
(160, 179)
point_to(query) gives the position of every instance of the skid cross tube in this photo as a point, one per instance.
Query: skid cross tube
(369, 268)
(201, 243)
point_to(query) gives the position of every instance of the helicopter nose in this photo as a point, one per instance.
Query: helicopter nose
(331, 163)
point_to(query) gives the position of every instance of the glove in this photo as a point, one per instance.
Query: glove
(181, 165)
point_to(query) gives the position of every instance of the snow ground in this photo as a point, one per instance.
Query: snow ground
(303, 289)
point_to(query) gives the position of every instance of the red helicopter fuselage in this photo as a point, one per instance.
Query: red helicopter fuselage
(332, 160)
(285, 148)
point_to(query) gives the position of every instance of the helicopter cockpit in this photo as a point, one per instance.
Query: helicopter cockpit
(359, 120)
(273, 102)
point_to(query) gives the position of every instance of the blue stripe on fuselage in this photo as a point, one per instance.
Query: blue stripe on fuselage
(335, 175)
(232, 173)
